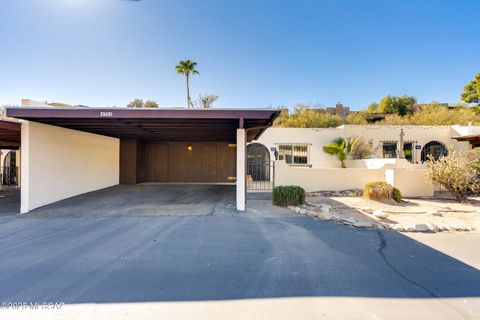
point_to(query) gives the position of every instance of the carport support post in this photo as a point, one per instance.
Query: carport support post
(241, 190)
(25, 167)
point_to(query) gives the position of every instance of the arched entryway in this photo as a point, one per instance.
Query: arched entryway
(258, 162)
(9, 169)
(435, 149)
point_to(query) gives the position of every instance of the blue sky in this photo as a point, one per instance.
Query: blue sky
(253, 53)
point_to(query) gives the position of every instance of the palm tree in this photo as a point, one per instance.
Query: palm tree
(187, 67)
(341, 148)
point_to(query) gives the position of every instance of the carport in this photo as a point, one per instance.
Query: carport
(9, 135)
(10, 132)
(67, 152)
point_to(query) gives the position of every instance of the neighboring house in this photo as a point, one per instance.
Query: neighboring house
(303, 162)
(338, 110)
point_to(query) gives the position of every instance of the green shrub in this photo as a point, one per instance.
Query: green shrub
(396, 195)
(288, 196)
(379, 190)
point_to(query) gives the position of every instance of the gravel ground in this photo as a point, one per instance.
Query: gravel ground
(410, 212)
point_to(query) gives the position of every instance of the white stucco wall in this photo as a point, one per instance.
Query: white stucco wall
(59, 163)
(318, 137)
(411, 183)
(323, 179)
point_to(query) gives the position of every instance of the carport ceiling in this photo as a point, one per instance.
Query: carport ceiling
(154, 124)
(9, 134)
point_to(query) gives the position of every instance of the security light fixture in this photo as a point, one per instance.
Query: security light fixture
(189, 147)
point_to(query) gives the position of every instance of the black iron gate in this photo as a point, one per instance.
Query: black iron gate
(260, 171)
(260, 175)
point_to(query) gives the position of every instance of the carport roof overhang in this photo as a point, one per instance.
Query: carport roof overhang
(155, 124)
(10, 133)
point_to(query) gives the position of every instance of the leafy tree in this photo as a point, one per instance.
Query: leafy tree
(398, 105)
(282, 118)
(206, 101)
(471, 92)
(187, 68)
(372, 107)
(435, 114)
(358, 117)
(458, 173)
(341, 148)
(303, 117)
(136, 103)
(150, 104)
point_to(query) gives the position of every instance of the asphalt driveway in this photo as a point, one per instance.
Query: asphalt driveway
(148, 199)
(264, 253)
(9, 202)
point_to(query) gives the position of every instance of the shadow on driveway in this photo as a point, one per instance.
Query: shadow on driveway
(266, 252)
(9, 202)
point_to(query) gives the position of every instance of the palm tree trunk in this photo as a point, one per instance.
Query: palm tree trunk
(188, 93)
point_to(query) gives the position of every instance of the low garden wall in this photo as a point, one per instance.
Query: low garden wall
(320, 179)
(410, 181)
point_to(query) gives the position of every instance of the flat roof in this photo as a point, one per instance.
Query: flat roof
(471, 137)
(10, 133)
(155, 123)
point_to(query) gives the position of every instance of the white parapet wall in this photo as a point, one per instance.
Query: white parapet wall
(59, 163)
(322, 179)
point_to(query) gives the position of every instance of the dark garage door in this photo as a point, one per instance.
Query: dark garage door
(152, 161)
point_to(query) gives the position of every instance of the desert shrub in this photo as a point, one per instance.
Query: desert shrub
(363, 149)
(288, 196)
(396, 194)
(379, 190)
(457, 173)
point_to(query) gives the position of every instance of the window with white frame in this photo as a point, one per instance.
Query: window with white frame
(294, 153)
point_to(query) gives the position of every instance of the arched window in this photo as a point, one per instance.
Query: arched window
(434, 149)
(258, 162)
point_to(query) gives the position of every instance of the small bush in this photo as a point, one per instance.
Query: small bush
(378, 190)
(396, 195)
(288, 196)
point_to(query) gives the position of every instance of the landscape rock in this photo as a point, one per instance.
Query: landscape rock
(347, 220)
(312, 213)
(324, 216)
(380, 214)
(367, 210)
(421, 227)
(342, 193)
(325, 208)
(362, 224)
